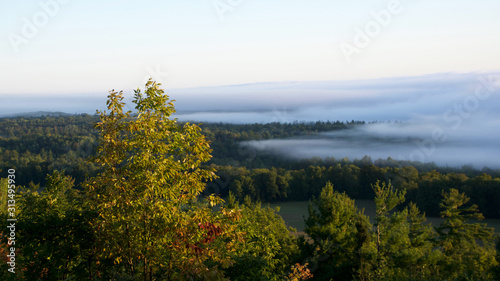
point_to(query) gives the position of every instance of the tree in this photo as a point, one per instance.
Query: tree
(391, 229)
(420, 258)
(468, 247)
(267, 248)
(56, 231)
(336, 227)
(150, 223)
(403, 239)
(244, 186)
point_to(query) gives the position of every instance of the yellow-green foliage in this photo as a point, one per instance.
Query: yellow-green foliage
(150, 224)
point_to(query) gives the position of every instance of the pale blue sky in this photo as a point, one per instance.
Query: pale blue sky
(94, 46)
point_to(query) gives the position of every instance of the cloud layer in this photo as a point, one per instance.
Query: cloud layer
(402, 99)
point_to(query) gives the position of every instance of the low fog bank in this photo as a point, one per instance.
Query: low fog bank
(472, 143)
(397, 98)
(402, 98)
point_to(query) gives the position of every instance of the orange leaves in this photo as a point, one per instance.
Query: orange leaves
(212, 232)
(299, 272)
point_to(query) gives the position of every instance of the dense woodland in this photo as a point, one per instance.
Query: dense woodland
(35, 147)
(139, 196)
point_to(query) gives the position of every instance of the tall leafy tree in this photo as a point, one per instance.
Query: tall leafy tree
(151, 224)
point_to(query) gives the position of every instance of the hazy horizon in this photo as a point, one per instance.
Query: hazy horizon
(385, 99)
(431, 64)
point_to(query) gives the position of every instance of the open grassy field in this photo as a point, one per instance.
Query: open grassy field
(294, 213)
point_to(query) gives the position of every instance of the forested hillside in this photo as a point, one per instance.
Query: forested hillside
(138, 196)
(38, 146)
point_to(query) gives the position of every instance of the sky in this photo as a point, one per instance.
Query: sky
(70, 47)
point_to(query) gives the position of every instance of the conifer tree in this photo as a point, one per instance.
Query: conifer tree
(468, 247)
(391, 228)
(336, 227)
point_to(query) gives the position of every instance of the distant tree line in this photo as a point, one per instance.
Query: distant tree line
(424, 189)
(37, 146)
